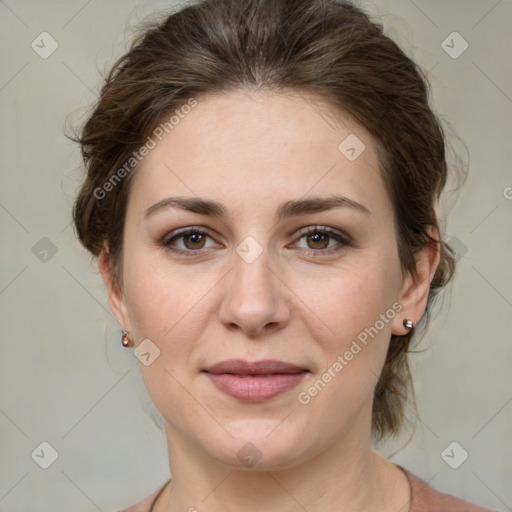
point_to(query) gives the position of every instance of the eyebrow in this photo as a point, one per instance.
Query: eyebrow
(290, 208)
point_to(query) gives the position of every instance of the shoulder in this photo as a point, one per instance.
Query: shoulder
(141, 506)
(425, 498)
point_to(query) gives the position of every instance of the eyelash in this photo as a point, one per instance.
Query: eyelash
(343, 240)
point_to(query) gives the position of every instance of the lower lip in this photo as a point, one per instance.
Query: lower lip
(255, 388)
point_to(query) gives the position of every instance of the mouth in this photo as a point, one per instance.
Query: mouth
(255, 381)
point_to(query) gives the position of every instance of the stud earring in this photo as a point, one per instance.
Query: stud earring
(125, 340)
(408, 324)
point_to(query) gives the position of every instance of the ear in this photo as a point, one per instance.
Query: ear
(115, 294)
(415, 288)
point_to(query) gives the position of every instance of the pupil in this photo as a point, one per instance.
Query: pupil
(194, 239)
(316, 238)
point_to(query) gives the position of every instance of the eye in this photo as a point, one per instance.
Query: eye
(318, 239)
(194, 240)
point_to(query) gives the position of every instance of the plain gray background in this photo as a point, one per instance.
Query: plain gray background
(64, 377)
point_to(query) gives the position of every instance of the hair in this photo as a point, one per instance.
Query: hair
(328, 49)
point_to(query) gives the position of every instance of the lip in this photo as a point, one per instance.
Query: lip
(255, 381)
(241, 367)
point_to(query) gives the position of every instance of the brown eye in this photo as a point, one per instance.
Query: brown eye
(196, 241)
(318, 240)
(193, 241)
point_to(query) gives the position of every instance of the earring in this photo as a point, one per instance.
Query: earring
(408, 324)
(125, 340)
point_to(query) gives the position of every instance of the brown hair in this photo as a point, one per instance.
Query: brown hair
(327, 48)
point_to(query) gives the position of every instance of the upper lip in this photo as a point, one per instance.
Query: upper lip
(241, 367)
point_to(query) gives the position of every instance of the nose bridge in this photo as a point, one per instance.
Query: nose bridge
(253, 297)
(252, 252)
(252, 278)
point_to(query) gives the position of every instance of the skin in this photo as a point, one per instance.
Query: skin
(252, 152)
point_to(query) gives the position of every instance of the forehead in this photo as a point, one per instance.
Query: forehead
(248, 147)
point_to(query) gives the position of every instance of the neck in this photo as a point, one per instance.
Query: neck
(348, 472)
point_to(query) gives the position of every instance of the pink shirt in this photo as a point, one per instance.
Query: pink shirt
(424, 498)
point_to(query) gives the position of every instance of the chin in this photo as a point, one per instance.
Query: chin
(260, 445)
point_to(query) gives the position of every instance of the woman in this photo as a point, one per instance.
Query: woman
(261, 193)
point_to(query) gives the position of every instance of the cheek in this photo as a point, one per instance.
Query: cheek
(352, 335)
(170, 306)
(161, 298)
(348, 301)
(165, 307)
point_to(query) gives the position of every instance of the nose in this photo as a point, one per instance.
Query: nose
(255, 298)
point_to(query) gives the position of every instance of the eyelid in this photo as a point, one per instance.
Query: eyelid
(184, 231)
(327, 230)
(181, 232)
(341, 237)
(343, 241)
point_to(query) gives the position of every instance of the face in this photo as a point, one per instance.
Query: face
(310, 291)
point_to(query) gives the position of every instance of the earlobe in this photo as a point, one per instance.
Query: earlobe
(115, 295)
(416, 288)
